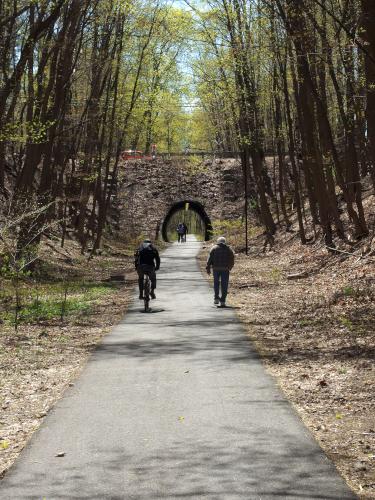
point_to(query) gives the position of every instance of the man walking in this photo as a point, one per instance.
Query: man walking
(221, 260)
(186, 230)
(180, 232)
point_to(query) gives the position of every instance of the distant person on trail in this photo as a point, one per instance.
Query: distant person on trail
(180, 232)
(186, 230)
(221, 260)
(147, 261)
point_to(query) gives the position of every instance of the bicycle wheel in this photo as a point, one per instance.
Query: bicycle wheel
(146, 292)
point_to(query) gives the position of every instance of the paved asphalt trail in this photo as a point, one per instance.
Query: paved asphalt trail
(174, 405)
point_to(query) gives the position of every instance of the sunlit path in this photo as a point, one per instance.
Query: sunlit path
(174, 405)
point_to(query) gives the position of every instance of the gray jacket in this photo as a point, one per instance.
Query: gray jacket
(221, 258)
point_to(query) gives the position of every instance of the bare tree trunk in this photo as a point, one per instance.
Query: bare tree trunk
(368, 34)
(292, 154)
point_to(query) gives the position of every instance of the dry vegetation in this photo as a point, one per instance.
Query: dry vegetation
(311, 317)
(47, 353)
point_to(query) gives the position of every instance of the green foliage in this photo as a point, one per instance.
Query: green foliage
(347, 323)
(227, 227)
(276, 274)
(193, 221)
(233, 230)
(35, 132)
(348, 291)
(12, 269)
(219, 76)
(194, 165)
(47, 309)
(50, 302)
(159, 115)
(343, 371)
(305, 322)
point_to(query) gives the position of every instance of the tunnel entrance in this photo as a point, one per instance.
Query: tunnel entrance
(190, 212)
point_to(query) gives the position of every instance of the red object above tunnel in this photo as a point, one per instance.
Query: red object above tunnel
(132, 154)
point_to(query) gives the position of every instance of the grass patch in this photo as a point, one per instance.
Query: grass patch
(276, 274)
(45, 302)
(347, 323)
(348, 291)
(194, 165)
(305, 322)
(234, 231)
(47, 309)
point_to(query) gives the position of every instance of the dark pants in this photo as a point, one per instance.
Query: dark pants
(142, 270)
(180, 237)
(221, 280)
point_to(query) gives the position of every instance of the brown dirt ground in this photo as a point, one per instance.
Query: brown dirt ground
(39, 362)
(316, 337)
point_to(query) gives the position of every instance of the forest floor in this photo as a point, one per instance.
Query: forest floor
(40, 360)
(316, 336)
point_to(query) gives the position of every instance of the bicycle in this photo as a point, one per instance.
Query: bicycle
(146, 292)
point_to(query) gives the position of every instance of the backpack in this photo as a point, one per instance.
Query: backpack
(148, 254)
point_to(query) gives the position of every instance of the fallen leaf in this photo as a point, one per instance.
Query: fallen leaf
(4, 445)
(61, 454)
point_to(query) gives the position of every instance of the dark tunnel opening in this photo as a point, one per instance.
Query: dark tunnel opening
(186, 205)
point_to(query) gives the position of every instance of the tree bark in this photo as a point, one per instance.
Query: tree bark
(368, 34)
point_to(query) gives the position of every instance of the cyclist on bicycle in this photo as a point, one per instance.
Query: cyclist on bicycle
(147, 261)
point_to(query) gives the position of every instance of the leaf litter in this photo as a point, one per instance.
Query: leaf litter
(43, 359)
(315, 334)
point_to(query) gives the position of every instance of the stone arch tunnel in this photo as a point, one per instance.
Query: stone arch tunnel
(194, 206)
(148, 193)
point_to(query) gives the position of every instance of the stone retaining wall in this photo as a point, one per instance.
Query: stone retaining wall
(146, 190)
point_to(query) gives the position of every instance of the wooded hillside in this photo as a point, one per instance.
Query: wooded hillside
(295, 79)
(83, 80)
(79, 83)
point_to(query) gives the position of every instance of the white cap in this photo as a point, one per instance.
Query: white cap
(221, 240)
